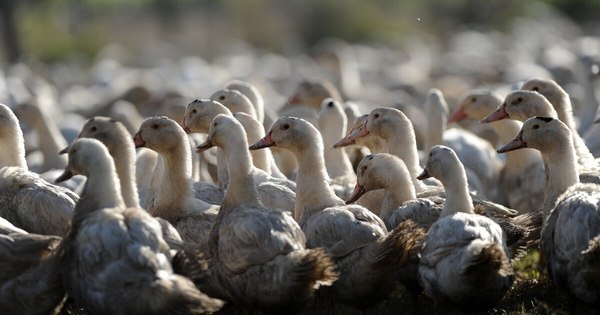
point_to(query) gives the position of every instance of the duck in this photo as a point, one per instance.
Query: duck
(235, 101)
(522, 104)
(234, 144)
(263, 159)
(372, 199)
(198, 116)
(51, 139)
(570, 239)
(116, 137)
(252, 93)
(332, 126)
(170, 194)
(259, 258)
(465, 259)
(114, 257)
(387, 172)
(358, 241)
(397, 131)
(30, 282)
(28, 201)
(477, 155)
(522, 177)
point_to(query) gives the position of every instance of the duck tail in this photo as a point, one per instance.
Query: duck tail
(401, 245)
(318, 267)
(490, 260)
(592, 256)
(179, 295)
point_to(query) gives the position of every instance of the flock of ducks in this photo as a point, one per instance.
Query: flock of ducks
(229, 202)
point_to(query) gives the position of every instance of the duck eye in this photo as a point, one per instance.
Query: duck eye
(473, 99)
(222, 97)
(330, 104)
(536, 126)
(520, 99)
(376, 115)
(285, 127)
(93, 128)
(155, 126)
(430, 154)
(364, 168)
(215, 124)
(535, 88)
(194, 111)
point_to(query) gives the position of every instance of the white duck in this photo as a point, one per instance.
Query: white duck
(357, 239)
(262, 159)
(198, 117)
(50, 139)
(522, 177)
(114, 258)
(170, 194)
(521, 105)
(465, 257)
(397, 131)
(259, 260)
(571, 235)
(373, 199)
(252, 93)
(115, 136)
(233, 141)
(27, 200)
(477, 155)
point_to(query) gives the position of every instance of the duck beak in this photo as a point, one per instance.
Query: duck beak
(351, 137)
(498, 114)
(63, 151)
(294, 100)
(423, 175)
(138, 140)
(204, 146)
(267, 141)
(515, 144)
(356, 193)
(184, 125)
(67, 174)
(597, 120)
(458, 115)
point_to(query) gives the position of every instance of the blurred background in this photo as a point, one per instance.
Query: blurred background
(54, 30)
(191, 47)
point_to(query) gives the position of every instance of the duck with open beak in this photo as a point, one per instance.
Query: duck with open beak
(138, 140)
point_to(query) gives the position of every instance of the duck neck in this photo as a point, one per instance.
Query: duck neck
(241, 190)
(125, 165)
(51, 141)
(398, 190)
(437, 121)
(561, 173)
(564, 110)
(402, 143)
(313, 192)
(13, 151)
(336, 160)
(516, 161)
(171, 185)
(102, 188)
(458, 198)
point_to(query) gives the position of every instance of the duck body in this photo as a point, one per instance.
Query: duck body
(571, 242)
(458, 249)
(33, 204)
